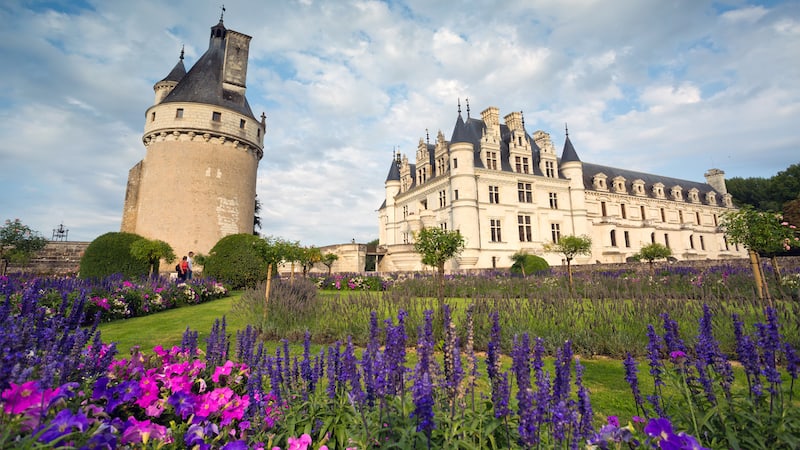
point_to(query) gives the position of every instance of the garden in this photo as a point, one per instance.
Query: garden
(685, 357)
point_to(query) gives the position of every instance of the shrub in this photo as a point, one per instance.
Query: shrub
(532, 265)
(235, 261)
(292, 307)
(110, 254)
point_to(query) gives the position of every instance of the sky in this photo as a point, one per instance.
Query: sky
(672, 88)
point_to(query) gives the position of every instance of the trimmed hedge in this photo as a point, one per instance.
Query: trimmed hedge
(235, 262)
(111, 254)
(532, 263)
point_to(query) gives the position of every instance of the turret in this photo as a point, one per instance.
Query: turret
(716, 179)
(165, 86)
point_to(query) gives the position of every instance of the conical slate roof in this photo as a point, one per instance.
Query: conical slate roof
(394, 171)
(178, 72)
(569, 154)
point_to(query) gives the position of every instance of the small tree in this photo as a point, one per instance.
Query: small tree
(308, 256)
(760, 233)
(570, 247)
(18, 243)
(651, 252)
(519, 261)
(328, 259)
(437, 246)
(152, 251)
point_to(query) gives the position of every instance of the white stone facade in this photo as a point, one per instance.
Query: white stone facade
(507, 191)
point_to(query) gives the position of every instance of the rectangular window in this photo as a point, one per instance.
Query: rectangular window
(553, 200)
(550, 169)
(525, 192)
(663, 215)
(494, 194)
(652, 238)
(525, 234)
(697, 216)
(627, 239)
(518, 160)
(666, 240)
(525, 168)
(613, 238)
(216, 116)
(424, 204)
(702, 243)
(680, 216)
(242, 123)
(494, 226)
(405, 238)
(179, 113)
(153, 116)
(603, 211)
(641, 211)
(443, 226)
(715, 220)
(455, 163)
(442, 199)
(491, 160)
(455, 194)
(521, 164)
(555, 232)
(622, 211)
(691, 242)
(405, 211)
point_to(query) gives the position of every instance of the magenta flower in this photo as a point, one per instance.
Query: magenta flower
(143, 431)
(222, 370)
(677, 354)
(20, 397)
(300, 443)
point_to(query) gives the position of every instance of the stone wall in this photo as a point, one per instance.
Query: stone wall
(57, 258)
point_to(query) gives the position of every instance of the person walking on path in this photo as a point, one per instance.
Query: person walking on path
(191, 269)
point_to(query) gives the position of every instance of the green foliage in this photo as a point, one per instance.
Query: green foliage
(237, 260)
(152, 251)
(437, 246)
(766, 194)
(18, 242)
(526, 264)
(292, 307)
(571, 246)
(652, 252)
(110, 254)
(328, 259)
(759, 231)
(307, 257)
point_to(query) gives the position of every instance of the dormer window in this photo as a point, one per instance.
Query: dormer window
(619, 185)
(694, 195)
(727, 200)
(638, 187)
(658, 190)
(599, 182)
(677, 193)
(711, 198)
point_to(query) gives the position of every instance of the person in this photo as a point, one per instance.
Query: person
(191, 270)
(184, 266)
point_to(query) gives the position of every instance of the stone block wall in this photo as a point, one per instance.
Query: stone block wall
(57, 258)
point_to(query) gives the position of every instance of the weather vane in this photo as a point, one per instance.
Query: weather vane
(222, 13)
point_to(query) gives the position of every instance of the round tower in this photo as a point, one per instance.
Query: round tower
(197, 181)
(464, 195)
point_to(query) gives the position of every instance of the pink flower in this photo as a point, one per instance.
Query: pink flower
(222, 370)
(143, 431)
(127, 284)
(300, 443)
(20, 397)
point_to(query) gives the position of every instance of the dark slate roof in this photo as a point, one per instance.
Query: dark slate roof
(590, 170)
(569, 154)
(394, 171)
(203, 82)
(177, 72)
(471, 131)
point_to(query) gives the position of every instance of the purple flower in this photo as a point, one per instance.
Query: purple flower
(63, 424)
(423, 386)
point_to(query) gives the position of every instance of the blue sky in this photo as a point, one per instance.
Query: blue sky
(672, 88)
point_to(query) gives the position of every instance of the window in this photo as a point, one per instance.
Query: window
(153, 116)
(455, 194)
(680, 216)
(179, 113)
(525, 192)
(603, 209)
(242, 123)
(613, 238)
(491, 160)
(663, 215)
(443, 226)
(424, 204)
(652, 238)
(405, 238)
(405, 211)
(549, 169)
(622, 211)
(521, 164)
(555, 232)
(702, 243)
(553, 200)
(216, 116)
(697, 216)
(455, 163)
(524, 223)
(666, 240)
(627, 239)
(494, 226)
(691, 241)
(715, 220)
(725, 240)
(642, 210)
(442, 199)
(494, 194)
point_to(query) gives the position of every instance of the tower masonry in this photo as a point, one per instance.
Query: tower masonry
(197, 181)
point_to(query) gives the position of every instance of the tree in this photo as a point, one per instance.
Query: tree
(570, 247)
(256, 217)
(308, 256)
(328, 259)
(437, 246)
(18, 243)
(653, 252)
(761, 233)
(152, 251)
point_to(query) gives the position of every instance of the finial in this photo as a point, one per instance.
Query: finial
(427, 137)
(459, 106)
(221, 14)
(467, 107)
(182, 52)
(566, 130)
(522, 114)
(263, 117)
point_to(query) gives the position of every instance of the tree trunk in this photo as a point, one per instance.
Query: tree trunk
(761, 285)
(777, 269)
(569, 274)
(441, 285)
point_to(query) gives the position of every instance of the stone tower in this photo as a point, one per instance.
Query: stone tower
(197, 181)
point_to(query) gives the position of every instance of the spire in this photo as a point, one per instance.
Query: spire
(522, 115)
(569, 154)
(459, 106)
(467, 108)
(566, 130)
(178, 72)
(427, 137)
(182, 46)
(222, 13)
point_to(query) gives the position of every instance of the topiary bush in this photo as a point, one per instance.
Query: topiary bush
(110, 254)
(235, 262)
(532, 263)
